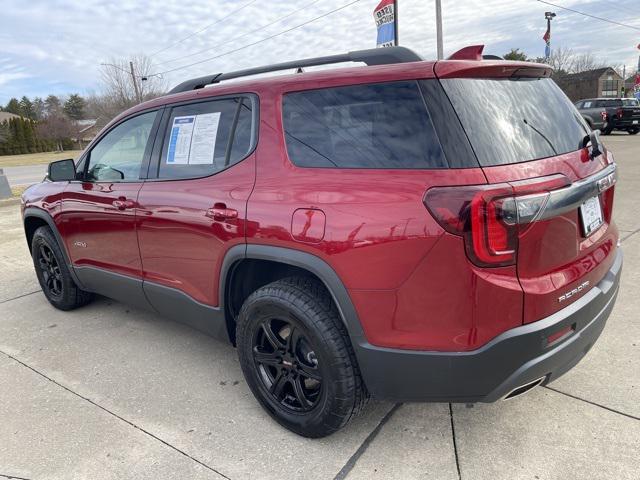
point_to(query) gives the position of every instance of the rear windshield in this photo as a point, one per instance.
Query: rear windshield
(383, 126)
(630, 102)
(515, 120)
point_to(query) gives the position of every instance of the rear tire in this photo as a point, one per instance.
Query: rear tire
(53, 273)
(633, 131)
(297, 358)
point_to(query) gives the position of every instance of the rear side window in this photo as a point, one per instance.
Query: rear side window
(384, 126)
(516, 120)
(609, 103)
(205, 138)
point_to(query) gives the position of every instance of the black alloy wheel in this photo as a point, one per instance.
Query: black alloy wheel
(297, 358)
(287, 365)
(51, 273)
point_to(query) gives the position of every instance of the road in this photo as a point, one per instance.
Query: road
(25, 175)
(108, 391)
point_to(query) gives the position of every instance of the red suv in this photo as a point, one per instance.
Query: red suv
(407, 230)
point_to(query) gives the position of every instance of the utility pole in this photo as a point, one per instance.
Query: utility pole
(439, 29)
(135, 84)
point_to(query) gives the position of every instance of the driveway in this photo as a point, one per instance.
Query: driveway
(25, 175)
(108, 391)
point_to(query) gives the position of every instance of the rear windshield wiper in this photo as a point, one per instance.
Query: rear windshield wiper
(541, 134)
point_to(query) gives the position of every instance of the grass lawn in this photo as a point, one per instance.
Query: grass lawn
(36, 158)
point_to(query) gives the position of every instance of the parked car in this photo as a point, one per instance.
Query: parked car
(608, 114)
(379, 230)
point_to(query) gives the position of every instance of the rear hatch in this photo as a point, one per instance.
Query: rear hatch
(552, 197)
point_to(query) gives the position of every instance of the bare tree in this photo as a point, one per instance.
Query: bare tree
(119, 89)
(57, 128)
(586, 61)
(561, 60)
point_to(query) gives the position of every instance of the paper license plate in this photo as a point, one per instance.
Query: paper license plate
(635, 122)
(591, 214)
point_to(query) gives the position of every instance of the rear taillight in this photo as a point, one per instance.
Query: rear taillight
(607, 203)
(619, 112)
(490, 217)
(604, 116)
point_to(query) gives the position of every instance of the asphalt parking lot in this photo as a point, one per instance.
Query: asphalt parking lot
(108, 391)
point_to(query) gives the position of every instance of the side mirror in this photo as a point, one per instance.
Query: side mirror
(62, 171)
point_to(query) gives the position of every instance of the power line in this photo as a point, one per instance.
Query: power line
(258, 41)
(240, 36)
(203, 28)
(591, 16)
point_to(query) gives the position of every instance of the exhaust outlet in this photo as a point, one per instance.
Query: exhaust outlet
(522, 389)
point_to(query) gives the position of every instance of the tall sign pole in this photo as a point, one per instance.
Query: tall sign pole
(396, 39)
(547, 36)
(439, 30)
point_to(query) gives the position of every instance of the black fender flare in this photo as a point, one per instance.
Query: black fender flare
(306, 261)
(44, 215)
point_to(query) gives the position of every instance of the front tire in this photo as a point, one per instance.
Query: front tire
(296, 356)
(53, 273)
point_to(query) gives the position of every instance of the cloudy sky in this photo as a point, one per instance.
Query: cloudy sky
(56, 46)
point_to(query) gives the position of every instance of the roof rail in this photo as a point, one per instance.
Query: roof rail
(373, 56)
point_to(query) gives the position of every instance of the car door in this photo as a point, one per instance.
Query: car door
(98, 218)
(192, 208)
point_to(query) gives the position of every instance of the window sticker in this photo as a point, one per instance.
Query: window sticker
(203, 142)
(193, 139)
(180, 141)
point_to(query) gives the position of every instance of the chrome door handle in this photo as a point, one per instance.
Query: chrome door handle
(220, 212)
(123, 204)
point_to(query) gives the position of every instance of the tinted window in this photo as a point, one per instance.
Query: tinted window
(363, 126)
(516, 120)
(118, 155)
(609, 103)
(630, 102)
(196, 142)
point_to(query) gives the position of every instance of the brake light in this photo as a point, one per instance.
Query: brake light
(604, 116)
(491, 217)
(619, 112)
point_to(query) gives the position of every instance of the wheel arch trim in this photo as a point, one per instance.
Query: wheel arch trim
(34, 212)
(305, 261)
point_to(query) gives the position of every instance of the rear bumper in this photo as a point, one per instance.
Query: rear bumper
(514, 358)
(626, 123)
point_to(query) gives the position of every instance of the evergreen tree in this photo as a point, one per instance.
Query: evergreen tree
(516, 54)
(13, 107)
(26, 106)
(30, 136)
(74, 107)
(52, 105)
(19, 137)
(38, 108)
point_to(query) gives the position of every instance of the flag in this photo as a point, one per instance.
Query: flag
(547, 38)
(384, 16)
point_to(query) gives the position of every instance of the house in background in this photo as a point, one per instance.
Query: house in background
(601, 82)
(87, 131)
(5, 116)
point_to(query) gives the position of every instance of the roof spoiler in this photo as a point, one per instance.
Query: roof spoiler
(372, 56)
(472, 52)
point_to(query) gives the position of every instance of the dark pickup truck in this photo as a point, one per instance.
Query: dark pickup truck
(608, 114)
